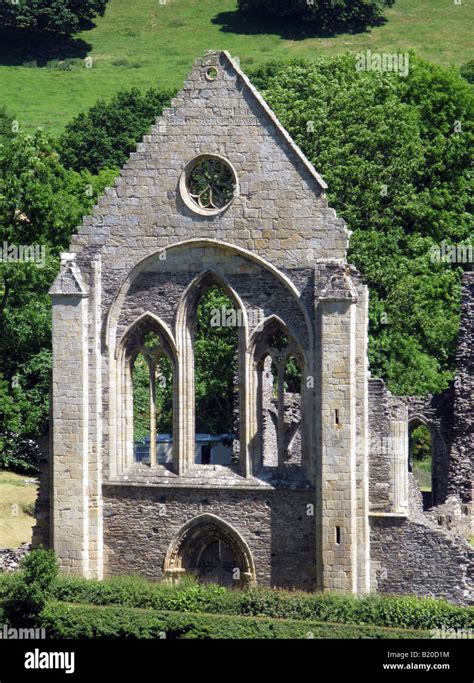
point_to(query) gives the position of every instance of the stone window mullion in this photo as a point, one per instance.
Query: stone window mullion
(152, 377)
(281, 412)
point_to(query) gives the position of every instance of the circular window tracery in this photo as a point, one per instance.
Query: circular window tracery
(208, 184)
(212, 73)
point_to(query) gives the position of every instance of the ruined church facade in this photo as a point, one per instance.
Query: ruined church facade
(318, 494)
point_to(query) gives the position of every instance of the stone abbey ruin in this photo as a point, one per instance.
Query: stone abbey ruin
(316, 491)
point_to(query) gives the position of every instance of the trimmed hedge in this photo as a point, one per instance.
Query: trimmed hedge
(79, 621)
(378, 610)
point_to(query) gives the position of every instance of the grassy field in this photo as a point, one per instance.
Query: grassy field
(17, 498)
(152, 44)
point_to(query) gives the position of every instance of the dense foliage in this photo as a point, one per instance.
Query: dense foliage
(41, 203)
(215, 363)
(396, 155)
(104, 136)
(190, 597)
(467, 71)
(31, 589)
(49, 17)
(420, 446)
(17, 453)
(326, 15)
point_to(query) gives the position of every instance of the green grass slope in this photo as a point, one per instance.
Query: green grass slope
(151, 44)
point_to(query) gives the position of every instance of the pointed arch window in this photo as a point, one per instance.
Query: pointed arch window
(212, 338)
(279, 366)
(216, 368)
(150, 373)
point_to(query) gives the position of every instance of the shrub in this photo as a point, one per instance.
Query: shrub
(6, 581)
(19, 454)
(325, 14)
(467, 71)
(32, 587)
(79, 621)
(378, 610)
(29, 509)
(49, 17)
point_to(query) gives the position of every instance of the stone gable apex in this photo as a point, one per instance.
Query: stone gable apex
(279, 209)
(225, 56)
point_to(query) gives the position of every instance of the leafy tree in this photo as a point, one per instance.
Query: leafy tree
(41, 203)
(141, 397)
(104, 136)
(49, 17)
(467, 71)
(325, 14)
(395, 153)
(420, 447)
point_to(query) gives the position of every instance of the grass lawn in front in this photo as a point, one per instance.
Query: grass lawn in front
(17, 499)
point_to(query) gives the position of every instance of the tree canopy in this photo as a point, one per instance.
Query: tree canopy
(396, 155)
(41, 203)
(326, 15)
(49, 17)
(104, 136)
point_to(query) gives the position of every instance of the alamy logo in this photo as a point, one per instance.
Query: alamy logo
(451, 253)
(229, 317)
(50, 660)
(23, 253)
(398, 62)
(11, 633)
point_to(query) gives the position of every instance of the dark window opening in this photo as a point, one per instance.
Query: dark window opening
(206, 454)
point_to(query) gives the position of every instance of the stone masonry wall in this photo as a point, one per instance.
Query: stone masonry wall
(279, 213)
(388, 457)
(141, 523)
(414, 556)
(461, 479)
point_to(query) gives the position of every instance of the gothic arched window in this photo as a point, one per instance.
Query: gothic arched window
(150, 365)
(279, 396)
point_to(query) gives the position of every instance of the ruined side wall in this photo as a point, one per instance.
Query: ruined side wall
(450, 415)
(436, 412)
(388, 451)
(413, 556)
(462, 451)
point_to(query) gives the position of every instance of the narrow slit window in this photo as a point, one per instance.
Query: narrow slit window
(338, 535)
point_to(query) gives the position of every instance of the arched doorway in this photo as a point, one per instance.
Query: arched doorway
(420, 459)
(213, 551)
(427, 460)
(212, 561)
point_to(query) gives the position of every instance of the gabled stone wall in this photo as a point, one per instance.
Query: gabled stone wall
(143, 258)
